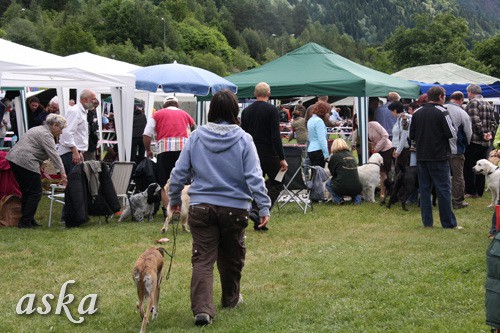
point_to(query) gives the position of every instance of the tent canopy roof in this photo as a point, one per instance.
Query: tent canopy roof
(447, 73)
(102, 64)
(22, 66)
(315, 70)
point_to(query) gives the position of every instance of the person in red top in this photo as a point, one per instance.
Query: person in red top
(172, 127)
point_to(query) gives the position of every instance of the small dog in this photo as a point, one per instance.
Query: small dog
(184, 209)
(141, 205)
(369, 176)
(492, 173)
(494, 156)
(147, 275)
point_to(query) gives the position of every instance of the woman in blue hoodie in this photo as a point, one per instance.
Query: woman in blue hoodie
(224, 166)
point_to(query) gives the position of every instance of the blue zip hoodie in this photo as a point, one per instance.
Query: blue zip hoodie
(225, 167)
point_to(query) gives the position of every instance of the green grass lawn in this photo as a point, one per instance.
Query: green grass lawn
(336, 269)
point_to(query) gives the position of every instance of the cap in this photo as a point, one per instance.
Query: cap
(170, 98)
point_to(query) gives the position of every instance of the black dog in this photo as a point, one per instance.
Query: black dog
(405, 183)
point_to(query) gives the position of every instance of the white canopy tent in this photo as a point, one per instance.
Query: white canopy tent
(119, 69)
(21, 66)
(447, 73)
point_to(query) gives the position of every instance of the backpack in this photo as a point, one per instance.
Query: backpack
(10, 211)
(493, 283)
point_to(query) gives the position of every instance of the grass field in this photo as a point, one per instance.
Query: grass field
(336, 269)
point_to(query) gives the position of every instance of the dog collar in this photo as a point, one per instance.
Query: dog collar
(373, 163)
(489, 173)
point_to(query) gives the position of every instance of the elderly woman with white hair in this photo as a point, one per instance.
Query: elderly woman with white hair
(26, 157)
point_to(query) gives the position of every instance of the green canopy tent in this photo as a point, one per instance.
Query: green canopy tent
(315, 70)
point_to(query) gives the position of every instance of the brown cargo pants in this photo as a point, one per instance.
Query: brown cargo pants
(218, 235)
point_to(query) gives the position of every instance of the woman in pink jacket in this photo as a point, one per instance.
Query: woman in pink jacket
(378, 141)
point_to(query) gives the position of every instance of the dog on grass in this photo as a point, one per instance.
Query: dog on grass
(184, 210)
(142, 205)
(492, 174)
(147, 275)
(369, 176)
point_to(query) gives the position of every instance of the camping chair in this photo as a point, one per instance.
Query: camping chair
(295, 187)
(121, 174)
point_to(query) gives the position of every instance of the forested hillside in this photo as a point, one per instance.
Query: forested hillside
(375, 20)
(227, 36)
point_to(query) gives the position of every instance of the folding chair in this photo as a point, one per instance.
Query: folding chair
(55, 197)
(295, 187)
(121, 175)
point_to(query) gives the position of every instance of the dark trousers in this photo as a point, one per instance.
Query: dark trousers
(270, 165)
(435, 173)
(138, 150)
(166, 163)
(218, 235)
(316, 157)
(474, 184)
(67, 160)
(30, 184)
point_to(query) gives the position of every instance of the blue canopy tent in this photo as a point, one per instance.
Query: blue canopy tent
(452, 77)
(488, 90)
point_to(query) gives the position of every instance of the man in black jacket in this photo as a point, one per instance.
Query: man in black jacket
(431, 128)
(261, 121)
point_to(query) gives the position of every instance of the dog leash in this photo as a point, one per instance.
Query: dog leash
(176, 218)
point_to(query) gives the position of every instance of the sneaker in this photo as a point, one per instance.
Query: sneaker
(462, 205)
(240, 301)
(458, 227)
(24, 226)
(472, 196)
(202, 319)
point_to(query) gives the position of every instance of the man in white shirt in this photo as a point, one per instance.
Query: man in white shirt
(74, 139)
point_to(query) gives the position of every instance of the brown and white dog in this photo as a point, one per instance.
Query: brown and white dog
(184, 209)
(147, 274)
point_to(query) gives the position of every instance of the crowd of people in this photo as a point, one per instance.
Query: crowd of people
(443, 140)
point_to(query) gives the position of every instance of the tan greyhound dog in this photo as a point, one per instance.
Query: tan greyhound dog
(147, 274)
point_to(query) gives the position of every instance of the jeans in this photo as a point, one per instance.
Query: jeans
(67, 160)
(339, 199)
(218, 235)
(437, 173)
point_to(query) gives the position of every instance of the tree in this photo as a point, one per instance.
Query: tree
(23, 31)
(434, 40)
(71, 39)
(199, 38)
(124, 52)
(254, 41)
(210, 62)
(488, 52)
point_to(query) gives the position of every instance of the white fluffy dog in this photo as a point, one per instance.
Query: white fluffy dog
(492, 173)
(369, 175)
